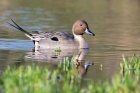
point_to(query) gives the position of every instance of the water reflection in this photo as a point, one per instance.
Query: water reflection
(83, 67)
(49, 55)
(54, 57)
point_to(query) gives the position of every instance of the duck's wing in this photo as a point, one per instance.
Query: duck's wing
(57, 36)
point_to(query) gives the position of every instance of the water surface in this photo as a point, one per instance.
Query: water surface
(116, 24)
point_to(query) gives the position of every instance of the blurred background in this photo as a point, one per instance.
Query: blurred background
(116, 24)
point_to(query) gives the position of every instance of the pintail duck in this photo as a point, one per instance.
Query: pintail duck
(64, 40)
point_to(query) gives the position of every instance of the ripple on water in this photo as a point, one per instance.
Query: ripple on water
(15, 44)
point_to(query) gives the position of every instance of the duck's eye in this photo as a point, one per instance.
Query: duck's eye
(80, 24)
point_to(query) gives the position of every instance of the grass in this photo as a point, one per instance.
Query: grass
(66, 79)
(132, 63)
(35, 80)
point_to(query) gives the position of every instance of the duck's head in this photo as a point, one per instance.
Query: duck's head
(80, 27)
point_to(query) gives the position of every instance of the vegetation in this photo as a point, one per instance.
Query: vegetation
(65, 79)
(132, 63)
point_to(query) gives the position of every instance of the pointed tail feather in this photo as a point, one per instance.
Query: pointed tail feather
(19, 28)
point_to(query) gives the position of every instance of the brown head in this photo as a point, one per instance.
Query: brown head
(80, 27)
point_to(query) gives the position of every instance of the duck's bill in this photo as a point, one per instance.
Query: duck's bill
(89, 32)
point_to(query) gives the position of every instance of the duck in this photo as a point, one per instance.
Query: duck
(62, 40)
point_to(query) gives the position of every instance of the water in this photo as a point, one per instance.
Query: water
(116, 24)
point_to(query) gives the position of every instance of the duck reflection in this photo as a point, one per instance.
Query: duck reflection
(55, 56)
(83, 67)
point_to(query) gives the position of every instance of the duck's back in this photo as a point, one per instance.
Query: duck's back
(55, 40)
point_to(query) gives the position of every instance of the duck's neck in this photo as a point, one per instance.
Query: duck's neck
(82, 42)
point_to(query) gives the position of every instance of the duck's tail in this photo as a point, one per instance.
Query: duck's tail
(21, 29)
